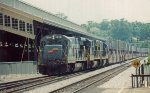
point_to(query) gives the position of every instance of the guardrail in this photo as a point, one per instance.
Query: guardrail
(140, 81)
(142, 77)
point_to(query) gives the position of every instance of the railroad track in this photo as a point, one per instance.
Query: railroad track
(101, 79)
(15, 86)
(29, 84)
(32, 83)
(98, 79)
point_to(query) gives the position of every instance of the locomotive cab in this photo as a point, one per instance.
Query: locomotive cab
(54, 49)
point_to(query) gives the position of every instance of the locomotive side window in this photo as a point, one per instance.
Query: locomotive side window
(93, 48)
(104, 49)
(65, 47)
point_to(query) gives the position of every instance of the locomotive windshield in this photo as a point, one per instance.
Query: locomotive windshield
(55, 42)
(54, 39)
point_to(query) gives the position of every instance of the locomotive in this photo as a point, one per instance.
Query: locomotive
(63, 54)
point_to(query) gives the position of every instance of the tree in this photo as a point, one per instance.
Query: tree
(145, 31)
(104, 25)
(136, 28)
(121, 29)
(90, 25)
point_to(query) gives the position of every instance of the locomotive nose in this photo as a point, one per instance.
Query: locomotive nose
(53, 52)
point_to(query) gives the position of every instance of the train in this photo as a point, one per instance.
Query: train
(59, 54)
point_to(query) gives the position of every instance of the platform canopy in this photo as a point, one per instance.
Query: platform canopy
(48, 18)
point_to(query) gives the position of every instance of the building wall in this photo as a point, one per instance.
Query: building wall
(25, 67)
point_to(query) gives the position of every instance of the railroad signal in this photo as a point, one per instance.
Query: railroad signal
(136, 63)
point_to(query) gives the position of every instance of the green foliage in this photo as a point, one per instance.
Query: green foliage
(145, 31)
(136, 28)
(90, 25)
(148, 63)
(104, 25)
(121, 30)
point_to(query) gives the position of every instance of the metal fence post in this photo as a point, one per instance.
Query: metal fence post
(137, 77)
(132, 80)
(147, 81)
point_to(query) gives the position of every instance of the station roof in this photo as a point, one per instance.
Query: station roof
(48, 18)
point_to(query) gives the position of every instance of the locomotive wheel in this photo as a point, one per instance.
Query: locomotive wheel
(90, 63)
(42, 70)
(49, 71)
(62, 69)
(72, 67)
(102, 63)
(107, 62)
(98, 64)
(83, 67)
(87, 65)
(68, 68)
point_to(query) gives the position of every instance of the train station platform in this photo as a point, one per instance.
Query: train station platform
(15, 77)
(58, 85)
(119, 84)
(127, 90)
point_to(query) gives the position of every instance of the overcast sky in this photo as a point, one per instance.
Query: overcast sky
(81, 11)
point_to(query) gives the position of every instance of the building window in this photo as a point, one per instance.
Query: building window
(7, 20)
(22, 25)
(14, 23)
(29, 28)
(1, 19)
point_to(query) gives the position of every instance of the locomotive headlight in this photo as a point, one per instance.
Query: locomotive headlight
(53, 37)
(49, 37)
